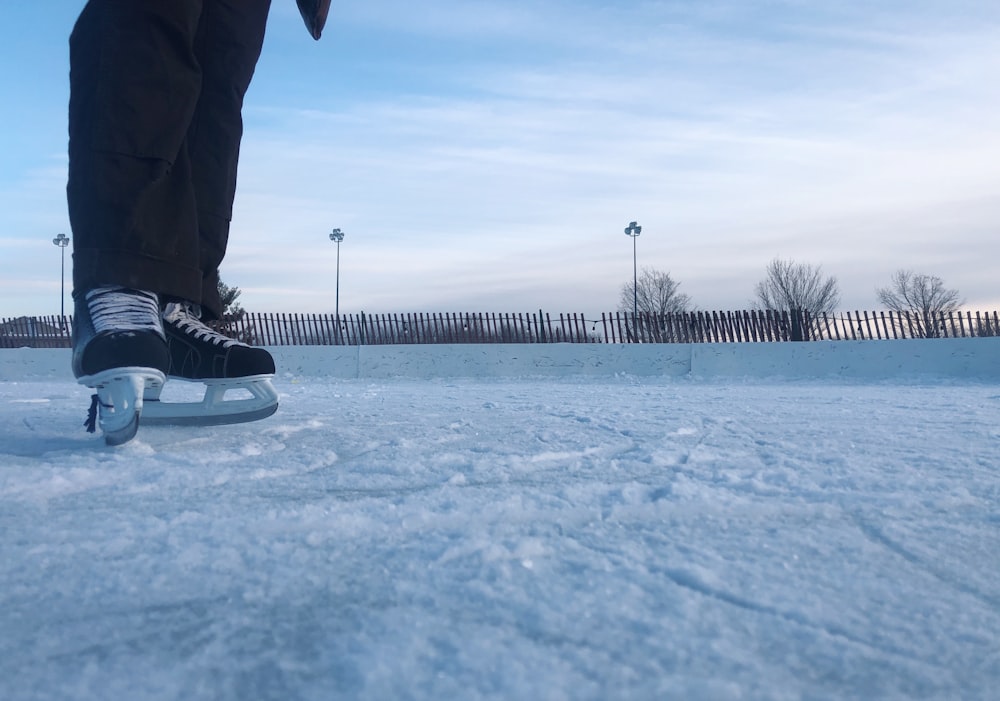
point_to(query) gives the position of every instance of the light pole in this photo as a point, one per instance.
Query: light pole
(633, 230)
(62, 240)
(338, 236)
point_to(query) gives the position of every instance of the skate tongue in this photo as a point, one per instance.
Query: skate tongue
(177, 311)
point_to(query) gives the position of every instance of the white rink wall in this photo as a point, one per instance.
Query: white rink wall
(972, 359)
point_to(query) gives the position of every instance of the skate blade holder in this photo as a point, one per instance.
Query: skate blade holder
(228, 401)
(120, 395)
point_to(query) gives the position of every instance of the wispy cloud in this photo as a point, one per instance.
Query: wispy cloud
(759, 151)
(497, 150)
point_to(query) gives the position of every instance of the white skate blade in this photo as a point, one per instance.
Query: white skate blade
(120, 393)
(214, 409)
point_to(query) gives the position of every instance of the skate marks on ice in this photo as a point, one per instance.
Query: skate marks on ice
(938, 565)
(753, 506)
(482, 539)
(35, 419)
(770, 493)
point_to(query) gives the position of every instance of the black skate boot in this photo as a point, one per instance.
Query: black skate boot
(199, 353)
(120, 350)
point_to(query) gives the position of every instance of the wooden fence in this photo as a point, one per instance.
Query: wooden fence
(35, 332)
(751, 326)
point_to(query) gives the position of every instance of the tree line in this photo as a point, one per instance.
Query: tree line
(790, 286)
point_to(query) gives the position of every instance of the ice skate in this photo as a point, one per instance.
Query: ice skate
(119, 349)
(225, 366)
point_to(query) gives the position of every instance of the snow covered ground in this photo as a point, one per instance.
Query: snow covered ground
(560, 537)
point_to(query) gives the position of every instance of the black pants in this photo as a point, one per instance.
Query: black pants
(155, 122)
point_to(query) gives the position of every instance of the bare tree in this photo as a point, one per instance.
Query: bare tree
(656, 294)
(923, 301)
(790, 285)
(794, 288)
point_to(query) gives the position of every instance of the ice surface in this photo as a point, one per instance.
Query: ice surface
(548, 538)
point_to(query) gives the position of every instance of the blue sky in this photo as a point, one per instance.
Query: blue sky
(486, 156)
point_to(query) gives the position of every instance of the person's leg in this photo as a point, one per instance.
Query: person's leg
(227, 46)
(134, 87)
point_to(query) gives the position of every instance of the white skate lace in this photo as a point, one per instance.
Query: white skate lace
(115, 309)
(187, 319)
